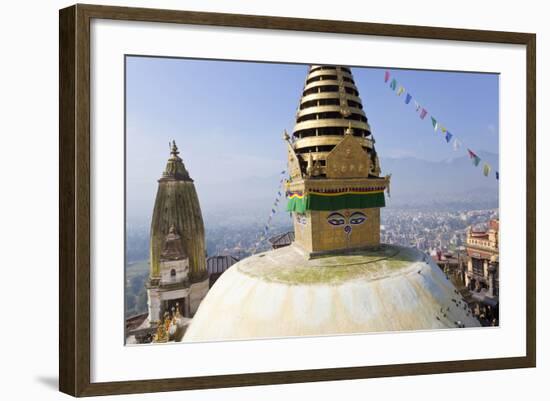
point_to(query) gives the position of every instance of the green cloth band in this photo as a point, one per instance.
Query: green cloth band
(331, 203)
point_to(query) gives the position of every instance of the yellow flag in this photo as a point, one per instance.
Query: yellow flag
(486, 169)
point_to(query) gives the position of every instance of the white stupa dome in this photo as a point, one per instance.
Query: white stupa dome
(282, 293)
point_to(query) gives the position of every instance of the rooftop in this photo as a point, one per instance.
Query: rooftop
(220, 263)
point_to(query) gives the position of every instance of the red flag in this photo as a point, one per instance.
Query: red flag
(386, 76)
(423, 113)
(475, 158)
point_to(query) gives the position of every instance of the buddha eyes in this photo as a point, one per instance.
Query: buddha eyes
(338, 219)
(357, 220)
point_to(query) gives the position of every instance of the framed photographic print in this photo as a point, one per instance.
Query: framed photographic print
(250, 200)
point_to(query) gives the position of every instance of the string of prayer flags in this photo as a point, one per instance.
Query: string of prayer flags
(475, 158)
(272, 213)
(456, 143)
(486, 169)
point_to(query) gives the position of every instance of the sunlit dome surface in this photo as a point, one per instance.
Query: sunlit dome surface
(282, 293)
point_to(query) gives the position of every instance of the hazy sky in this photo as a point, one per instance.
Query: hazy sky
(228, 117)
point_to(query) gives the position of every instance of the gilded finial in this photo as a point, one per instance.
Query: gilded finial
(285, 136)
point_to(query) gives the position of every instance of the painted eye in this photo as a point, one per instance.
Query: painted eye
(336, 221)
(357, 218)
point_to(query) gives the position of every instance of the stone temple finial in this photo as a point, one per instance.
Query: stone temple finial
(174, 166)
(174, 148)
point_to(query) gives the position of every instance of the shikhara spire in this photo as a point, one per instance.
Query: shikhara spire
(177, 211)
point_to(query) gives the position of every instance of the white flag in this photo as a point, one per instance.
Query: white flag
(456, 144)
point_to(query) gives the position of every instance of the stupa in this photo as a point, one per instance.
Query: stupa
(336, 277)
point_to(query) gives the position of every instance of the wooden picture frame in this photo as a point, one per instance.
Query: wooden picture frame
(74, 203)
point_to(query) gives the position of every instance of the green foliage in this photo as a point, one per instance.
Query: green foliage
(135, 294)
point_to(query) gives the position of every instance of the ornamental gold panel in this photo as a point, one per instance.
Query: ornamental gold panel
(348, 159)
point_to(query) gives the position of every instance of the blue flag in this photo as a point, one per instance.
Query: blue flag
(448, 136)
(408, 98)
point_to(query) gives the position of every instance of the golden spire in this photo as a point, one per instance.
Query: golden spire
(330, 108)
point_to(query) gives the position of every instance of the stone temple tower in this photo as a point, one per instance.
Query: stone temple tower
(178, 274)
(335, 190)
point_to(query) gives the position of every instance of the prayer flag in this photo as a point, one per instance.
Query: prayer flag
(416, 106)
(386, 76)
(456, 144)
(486, 169)
(443, 129)
(434, 123)
(496, 175)
(423, 113)
(408, 98)
(448, 136)
(393, 84)
(475, 158)
(400, 91)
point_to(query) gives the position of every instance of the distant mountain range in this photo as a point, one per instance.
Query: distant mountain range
(414, 182)
(419, 182)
